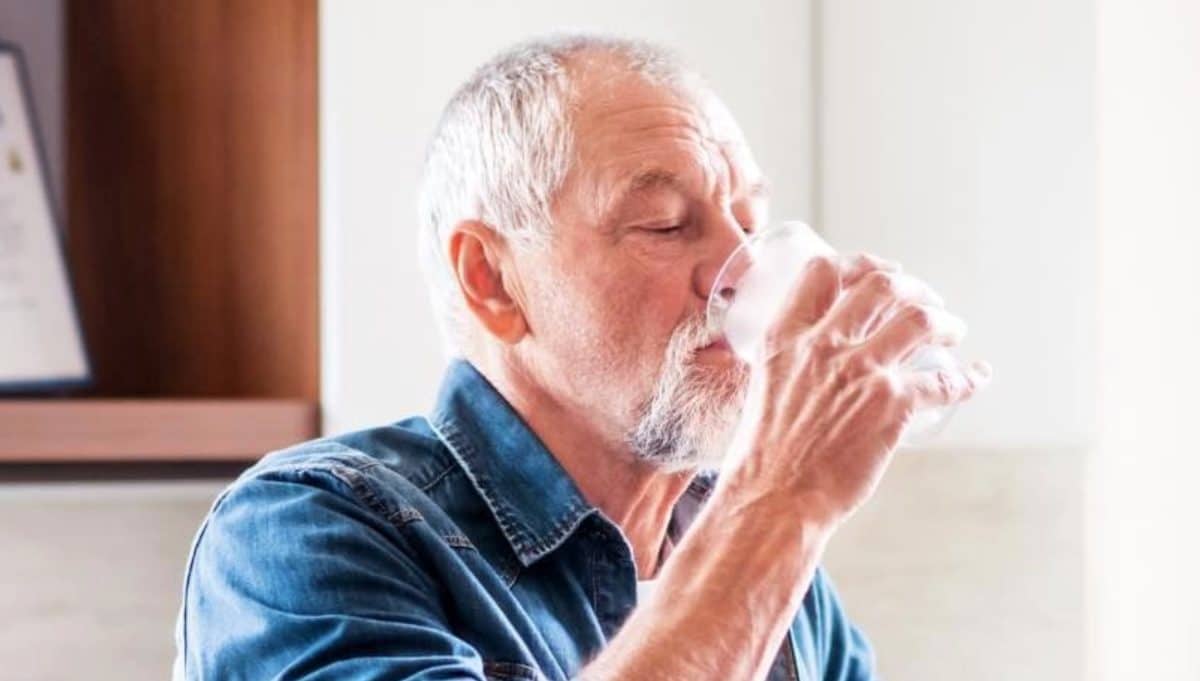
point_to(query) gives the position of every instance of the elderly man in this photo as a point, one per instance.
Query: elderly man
(549, 518)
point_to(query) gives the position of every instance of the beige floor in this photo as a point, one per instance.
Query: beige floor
(964, 566)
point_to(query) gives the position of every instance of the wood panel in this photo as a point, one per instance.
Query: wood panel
(151, 430)
(192, 194)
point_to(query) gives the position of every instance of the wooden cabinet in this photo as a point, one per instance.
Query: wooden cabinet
(191, 232)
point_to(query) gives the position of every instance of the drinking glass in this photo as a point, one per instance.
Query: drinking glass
(752, 288)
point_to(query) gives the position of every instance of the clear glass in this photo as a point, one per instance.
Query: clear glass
(752, 287)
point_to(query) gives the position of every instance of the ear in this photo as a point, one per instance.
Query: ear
(476, 256)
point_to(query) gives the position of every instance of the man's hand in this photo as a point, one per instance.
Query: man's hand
(832, 399)
(826, 410)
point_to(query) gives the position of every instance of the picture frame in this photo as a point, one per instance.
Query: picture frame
(42, 347)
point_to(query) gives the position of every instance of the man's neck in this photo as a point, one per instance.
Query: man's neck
(631, 493)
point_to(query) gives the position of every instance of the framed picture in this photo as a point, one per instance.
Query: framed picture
(41, 344)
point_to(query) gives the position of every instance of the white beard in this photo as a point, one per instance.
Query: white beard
(689, 421)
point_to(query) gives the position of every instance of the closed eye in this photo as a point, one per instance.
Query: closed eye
(664, 230)
(668, 230)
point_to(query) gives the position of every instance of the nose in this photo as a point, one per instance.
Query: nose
(719, 242)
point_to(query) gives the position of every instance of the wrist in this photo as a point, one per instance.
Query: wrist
(745, 500)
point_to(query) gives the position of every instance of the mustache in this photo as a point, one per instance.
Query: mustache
(691, 335)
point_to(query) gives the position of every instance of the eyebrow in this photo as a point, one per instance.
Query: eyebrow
(655, 178)
(658, 178)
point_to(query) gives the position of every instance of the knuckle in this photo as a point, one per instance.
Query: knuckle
(857, 263)
(881, 282)
(874, 262)
(858, 362)
(824, 265)
(884, 387)
(920, 317)
(825, 260)
(824, 347)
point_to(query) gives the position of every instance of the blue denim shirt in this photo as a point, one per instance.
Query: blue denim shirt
(448, 547)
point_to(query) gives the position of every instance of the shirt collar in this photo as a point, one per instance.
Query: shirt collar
(534, 500)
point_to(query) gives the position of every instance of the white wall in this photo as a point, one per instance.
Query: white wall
(1052, 148)
(1144, 543)
(958, 137)
(388, 68)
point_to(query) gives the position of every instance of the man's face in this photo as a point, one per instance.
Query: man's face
(662, 190)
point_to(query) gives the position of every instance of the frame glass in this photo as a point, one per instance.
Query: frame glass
(41, 342)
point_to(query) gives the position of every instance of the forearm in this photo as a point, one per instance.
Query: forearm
(725, 598)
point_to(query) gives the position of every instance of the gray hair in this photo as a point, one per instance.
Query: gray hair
(503, 148)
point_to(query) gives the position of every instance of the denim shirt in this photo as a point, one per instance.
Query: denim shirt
(448, 547)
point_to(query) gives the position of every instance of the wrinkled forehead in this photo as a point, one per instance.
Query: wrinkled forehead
(624, 122)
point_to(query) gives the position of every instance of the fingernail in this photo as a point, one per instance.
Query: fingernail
(981, 373)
